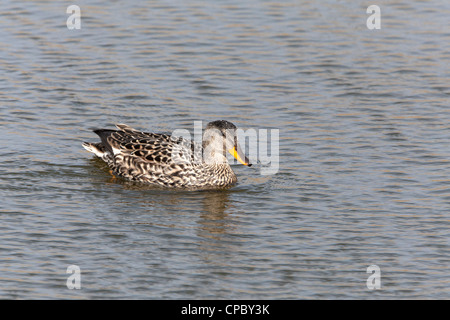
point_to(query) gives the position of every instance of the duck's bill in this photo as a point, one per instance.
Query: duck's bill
(239, 155)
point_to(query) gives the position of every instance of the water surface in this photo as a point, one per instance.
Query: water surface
(364, 149)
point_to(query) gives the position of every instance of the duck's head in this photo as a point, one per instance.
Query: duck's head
(220, 137)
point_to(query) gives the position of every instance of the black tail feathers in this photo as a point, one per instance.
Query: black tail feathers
(104, 134)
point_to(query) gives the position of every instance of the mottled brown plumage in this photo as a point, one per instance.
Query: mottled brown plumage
(169, 161)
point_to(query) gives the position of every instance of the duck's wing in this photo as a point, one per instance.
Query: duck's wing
(158, 148)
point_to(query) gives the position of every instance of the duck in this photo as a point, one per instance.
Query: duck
(171, 161)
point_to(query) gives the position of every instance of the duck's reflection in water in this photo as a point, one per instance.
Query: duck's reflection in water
(218, 231)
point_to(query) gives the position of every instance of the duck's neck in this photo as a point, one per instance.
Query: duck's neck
(214, 157)
(213, 149)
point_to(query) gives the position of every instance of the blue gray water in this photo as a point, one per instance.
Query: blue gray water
(364, 149)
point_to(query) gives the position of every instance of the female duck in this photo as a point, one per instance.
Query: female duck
(164, 160)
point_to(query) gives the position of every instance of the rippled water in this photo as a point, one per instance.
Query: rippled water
(364, 149)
